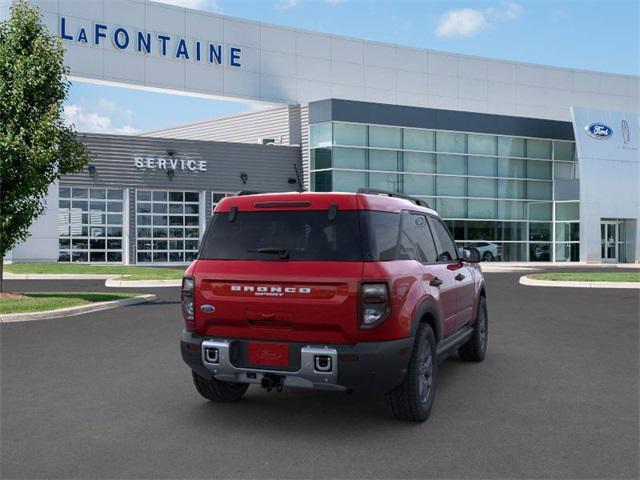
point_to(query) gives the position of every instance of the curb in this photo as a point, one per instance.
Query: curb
(78, 310)
(532, 282)
(116, 283)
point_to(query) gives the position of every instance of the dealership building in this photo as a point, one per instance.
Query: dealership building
(531, 162)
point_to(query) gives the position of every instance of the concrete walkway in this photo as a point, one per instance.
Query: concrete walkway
(533, 282)
(114, 281)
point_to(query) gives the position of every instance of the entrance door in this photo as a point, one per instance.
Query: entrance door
(609, 241)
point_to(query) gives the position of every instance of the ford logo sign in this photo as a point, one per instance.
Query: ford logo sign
(599, 131)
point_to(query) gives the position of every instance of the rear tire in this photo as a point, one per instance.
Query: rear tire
(413, 399)
(218, 391)
(488, 257)
(475, 349)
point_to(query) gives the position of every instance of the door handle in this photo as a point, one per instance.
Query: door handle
(459, 277)
(436, 282)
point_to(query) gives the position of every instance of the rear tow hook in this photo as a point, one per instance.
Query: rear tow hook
(269, 382)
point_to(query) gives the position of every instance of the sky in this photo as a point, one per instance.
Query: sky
(601, 35)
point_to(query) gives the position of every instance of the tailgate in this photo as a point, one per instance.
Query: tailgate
(310, 302)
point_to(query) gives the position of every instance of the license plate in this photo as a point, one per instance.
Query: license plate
(271, 354)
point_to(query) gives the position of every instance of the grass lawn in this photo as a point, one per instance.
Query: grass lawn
(129, 272)
(589, 276)
(42, 301)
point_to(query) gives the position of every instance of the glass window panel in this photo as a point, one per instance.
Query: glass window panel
(510, 147)
(159, 220)
(482, 209)
(97, 244)
(80, 243)
(567, 232)
(159, 245)
(514, 252)
(451, 186)
(419, 162)
(114, 244)
(539, 252)
(511, 167)
(385, 181)
(96, 218)
(160, 208)
(144, 220)
(191, 220)
(350, 158)
(177, 244)
(482, 187)
(383, 160)
(176, 220)
(451, 142)
(540, 170)
(193, 197)
(539, 211)
(509, 210)
(191, 244)
(481, 230)
(567, 252)
(320, 158)
(143, 207)
(564, 150)
(415, 139)
(192, 208)
(320, 134)
(539, 190)
(64, 256)
(64, 204)
(114, 194)
(144, 257)
(483, 144)
(97, 206)
(190, 256)
(349, 181)
(159, 196)
(80, 256)
(97, 231)
(483, 166)
(80, 204)
(159, 233)
(538, 148)
(454, 164)
(114, 207)
(79, 192)
(451, 207)
(114, 231)
(64, 192)
(176, 208)
(567, 211)
(114, 256)
(418, 184)
(175, 196)
(456, 227)
(176, 256)
(176, 232)
(98, 193)
(539, 232)
(98, 256)
(565, 171)
(385, 137)
(64, 243)
(159, 256)
(511, 189)
(191, 233)
(350, 134)
(511, 231)
(322, 181)
(143, 196)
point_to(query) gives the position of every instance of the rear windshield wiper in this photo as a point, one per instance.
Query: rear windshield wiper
(283, 253)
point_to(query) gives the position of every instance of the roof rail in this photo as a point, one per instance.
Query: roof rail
(375, 191)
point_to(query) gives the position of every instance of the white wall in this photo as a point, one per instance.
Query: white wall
(42, 245)
(609, 178)
(286, 65)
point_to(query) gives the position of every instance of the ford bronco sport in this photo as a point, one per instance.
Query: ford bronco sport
(336, 291)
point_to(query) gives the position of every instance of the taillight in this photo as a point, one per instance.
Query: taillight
(375, 304)
(187, 304)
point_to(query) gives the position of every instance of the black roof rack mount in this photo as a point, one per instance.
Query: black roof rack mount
(375, 191)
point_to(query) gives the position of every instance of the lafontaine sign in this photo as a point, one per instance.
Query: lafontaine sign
(160, 44)
(172, 163)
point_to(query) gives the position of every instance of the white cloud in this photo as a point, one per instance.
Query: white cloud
(286, 4)
(207, 5)
(104, 117)
(333, 2)
(467, 22)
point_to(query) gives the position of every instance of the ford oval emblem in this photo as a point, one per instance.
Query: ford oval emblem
(207, 308)
(599, 131)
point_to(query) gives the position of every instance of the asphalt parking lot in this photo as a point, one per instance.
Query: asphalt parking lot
(106, 395)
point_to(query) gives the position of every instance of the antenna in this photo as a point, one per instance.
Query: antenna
(300, 185)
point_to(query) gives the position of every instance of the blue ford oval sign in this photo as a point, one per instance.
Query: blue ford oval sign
(599, 131)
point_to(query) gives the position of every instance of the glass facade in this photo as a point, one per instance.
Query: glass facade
(90, 225)
(167, 226)
(492, 189)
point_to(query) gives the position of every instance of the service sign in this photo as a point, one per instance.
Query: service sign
(171, 163)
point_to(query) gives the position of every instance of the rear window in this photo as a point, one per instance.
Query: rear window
(280, 235)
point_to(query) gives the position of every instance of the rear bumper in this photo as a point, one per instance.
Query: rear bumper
(366, 366)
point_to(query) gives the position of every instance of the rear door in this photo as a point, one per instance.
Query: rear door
(280, 275)
(458, 276)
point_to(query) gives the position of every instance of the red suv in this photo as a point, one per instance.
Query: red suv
(334, 291)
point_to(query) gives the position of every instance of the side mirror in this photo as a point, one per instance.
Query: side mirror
(471, 255)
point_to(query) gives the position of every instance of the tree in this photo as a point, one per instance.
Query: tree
(36, 147)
